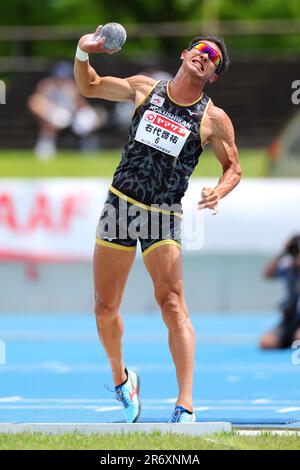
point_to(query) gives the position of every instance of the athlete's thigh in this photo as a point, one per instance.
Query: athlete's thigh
(164, 263)
(111, 269)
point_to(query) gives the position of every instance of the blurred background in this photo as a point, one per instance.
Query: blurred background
(58, 152)
(49, 135)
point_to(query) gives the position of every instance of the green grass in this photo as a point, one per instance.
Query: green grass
(23, 164)
(153, 441)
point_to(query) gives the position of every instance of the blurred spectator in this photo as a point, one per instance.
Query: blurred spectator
(286, 266)
(57, 105)
(123, 111)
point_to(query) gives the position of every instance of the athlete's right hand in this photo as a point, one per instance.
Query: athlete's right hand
(93, 43)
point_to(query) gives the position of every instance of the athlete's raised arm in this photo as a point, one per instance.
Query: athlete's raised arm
(91, 85)
(219, 133)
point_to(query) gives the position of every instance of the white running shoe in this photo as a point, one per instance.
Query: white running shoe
(180, 415)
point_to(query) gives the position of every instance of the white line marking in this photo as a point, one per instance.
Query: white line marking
(56, 366)
(139, 337)
(149, 407)
(103, 409)
(291, 409)
(10, 399)
(55, 407)
(158, 367)
(233, 378)
(236, 402)
(262, 401)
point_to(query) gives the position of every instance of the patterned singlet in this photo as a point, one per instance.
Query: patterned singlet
(162, 149)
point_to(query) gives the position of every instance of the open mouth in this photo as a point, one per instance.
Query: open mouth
(198, 64)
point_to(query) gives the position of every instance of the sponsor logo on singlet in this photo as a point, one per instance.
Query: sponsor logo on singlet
(162, 133)
(157, 100)
(172, 116)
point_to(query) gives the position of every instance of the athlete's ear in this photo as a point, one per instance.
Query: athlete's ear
(183, 54)
(214, 78)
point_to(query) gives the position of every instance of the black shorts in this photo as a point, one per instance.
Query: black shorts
(124, 221)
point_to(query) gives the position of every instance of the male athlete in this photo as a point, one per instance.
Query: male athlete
(172, 122)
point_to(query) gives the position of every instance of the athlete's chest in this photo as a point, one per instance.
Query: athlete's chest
(166, 127)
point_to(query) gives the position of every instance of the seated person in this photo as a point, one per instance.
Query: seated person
(57, 104)
(287, 267)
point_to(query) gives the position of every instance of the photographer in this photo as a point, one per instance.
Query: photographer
(287, 267)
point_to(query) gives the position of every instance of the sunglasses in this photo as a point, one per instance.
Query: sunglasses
(205, 49)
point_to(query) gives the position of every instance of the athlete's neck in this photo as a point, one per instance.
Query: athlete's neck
(184, 89)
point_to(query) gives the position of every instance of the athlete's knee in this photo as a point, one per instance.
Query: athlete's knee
(173, 307)
(168, 298)
(105, 311)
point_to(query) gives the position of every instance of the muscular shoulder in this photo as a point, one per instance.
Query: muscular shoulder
(141, 83)
(141, 86)
(217, 124)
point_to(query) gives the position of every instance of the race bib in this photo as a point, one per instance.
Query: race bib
(161, 133)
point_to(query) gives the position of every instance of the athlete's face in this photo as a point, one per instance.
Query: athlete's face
(199, 63)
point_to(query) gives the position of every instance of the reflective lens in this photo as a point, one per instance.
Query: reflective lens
(205, 49)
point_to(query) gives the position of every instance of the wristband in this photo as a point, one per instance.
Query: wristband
(81, 55)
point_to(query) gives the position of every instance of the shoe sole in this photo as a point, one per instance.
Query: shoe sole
(138, 395)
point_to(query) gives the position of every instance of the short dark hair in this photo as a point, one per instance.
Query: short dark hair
(221, 45)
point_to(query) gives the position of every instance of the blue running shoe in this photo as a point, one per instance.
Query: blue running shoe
(128, 395)
(180, 415)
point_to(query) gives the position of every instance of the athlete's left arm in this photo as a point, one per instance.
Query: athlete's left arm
(221, 138)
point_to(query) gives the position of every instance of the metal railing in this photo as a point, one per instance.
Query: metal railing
(163, 29)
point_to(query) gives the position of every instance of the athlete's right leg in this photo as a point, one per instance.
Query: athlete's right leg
(111, 269)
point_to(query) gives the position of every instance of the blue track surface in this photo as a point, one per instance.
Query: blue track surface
(56, 370)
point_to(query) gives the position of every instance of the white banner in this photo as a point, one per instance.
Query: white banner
(257, 216)
(49, 219)
(55, 219)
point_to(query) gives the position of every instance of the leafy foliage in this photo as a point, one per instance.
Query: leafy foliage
(94, 12)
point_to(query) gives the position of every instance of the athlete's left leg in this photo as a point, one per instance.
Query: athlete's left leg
(164, 263)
